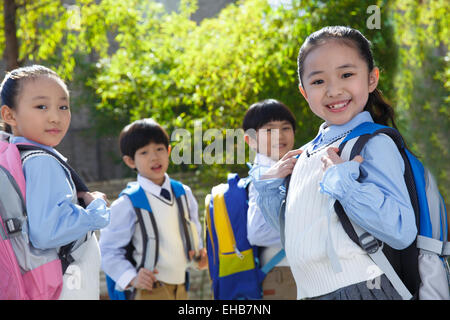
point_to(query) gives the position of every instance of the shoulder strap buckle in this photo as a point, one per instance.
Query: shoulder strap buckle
(13, 225)
(369, 243)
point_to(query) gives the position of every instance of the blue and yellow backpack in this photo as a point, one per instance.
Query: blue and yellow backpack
(234, 265)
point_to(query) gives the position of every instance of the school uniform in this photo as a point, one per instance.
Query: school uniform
(55, 219)
(324, 261)
(279, 282)
(123, 229)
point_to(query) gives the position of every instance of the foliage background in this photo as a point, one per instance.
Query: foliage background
(132, 59)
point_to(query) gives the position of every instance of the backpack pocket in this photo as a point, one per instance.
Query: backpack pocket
(231, 262)
(11, 283)
(434, 275)
(44, 282)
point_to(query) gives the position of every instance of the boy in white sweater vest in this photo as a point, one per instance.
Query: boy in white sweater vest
(145, 148)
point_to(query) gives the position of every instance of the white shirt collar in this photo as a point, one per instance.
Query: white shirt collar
(152, 187)
(263, 160)
(330, 133)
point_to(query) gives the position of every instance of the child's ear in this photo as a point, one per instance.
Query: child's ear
(169, 149)
(374, 76)
(129, 162)
(302, 91)
(8, 115)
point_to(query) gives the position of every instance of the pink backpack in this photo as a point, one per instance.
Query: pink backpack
(25, 272)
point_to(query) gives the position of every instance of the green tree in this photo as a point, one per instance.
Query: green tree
(37, 31)
(133, 60)
(422, 82)
(179, 72)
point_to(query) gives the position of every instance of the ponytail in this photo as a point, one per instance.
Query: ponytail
(5, 127)
(380, 110)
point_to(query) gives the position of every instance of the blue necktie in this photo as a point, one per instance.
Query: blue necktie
(165, 194)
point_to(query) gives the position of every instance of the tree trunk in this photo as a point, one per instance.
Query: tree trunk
(11, 42)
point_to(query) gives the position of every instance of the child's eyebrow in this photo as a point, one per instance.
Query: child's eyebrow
(45, 97)
(40, 97)
(314, 73)
(347, 65)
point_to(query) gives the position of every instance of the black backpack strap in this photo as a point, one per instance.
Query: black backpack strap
(395, 260)
(182, 213)
(144, 234)
(80, 185)
(145, 237)
(282, 210)
(65, 256)
(398, 140)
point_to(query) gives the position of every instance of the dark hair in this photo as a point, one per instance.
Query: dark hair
(140, 133)
(262, 112)
(12, 84)
(379, 109)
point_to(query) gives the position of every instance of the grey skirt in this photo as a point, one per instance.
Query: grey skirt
(378, 289)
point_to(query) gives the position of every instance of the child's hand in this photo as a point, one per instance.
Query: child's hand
(201, 259)
(88, 197)
(144, 279)
(332, 158)
(283, 167)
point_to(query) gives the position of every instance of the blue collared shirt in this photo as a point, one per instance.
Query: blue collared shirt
(53, 220)
(259, 232)
(379, 202)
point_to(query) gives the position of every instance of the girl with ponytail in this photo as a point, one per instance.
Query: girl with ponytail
(339, 81)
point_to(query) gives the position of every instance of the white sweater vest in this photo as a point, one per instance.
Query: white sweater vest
(306, 231)
(172, 261)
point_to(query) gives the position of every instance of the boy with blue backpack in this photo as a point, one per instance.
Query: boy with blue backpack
(246, 260)
(155, 234)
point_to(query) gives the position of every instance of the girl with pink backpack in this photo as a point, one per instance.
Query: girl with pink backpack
(47, 246)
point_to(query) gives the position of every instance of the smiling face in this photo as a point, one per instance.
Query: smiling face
(42, 112)
(151, 161)
(336, 82)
